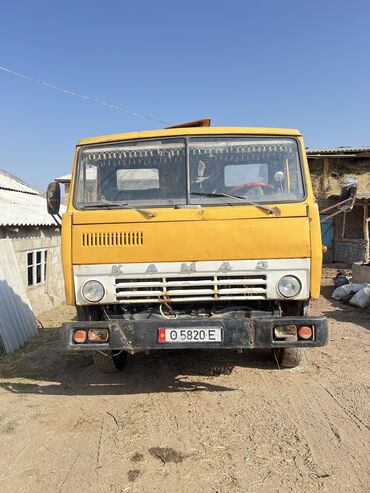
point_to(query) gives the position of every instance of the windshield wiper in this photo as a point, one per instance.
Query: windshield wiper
(270, 210)
(119, 205)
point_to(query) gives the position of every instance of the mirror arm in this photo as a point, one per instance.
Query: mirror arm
(57, 222)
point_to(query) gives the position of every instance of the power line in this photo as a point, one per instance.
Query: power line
(76, 94)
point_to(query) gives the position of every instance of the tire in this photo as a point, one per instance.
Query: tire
(110, 361)
(88, 313)
(288, 357)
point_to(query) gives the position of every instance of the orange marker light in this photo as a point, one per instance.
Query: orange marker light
(324, 249)
(161, 335)
(79, 336)
(305, 332)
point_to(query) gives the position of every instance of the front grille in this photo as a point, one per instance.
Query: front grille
(112, 239)
(195, 288)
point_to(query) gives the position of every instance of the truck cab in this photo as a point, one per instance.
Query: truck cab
(192, 237)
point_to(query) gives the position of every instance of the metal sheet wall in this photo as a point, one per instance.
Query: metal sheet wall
(17, 321)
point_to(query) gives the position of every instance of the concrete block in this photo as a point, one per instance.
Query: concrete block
(360, 273)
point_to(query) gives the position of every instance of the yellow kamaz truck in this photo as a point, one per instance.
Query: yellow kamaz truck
(191, 237)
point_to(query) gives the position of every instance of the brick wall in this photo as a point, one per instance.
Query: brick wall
(353, 224)
(348, 251)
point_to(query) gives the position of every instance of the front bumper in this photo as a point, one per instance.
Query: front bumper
(249, 333)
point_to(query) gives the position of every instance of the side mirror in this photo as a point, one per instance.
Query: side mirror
(53, 198)
(348, 193)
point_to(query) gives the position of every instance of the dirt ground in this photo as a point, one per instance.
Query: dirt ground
(189, 421)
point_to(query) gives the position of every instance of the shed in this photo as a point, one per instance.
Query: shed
(348, 233)
(35, 240)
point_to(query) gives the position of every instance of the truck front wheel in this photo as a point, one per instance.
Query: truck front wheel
(288, 357)
(109, 361)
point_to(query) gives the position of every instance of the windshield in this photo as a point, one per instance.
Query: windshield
(258, 169)
(154, 172)
(134, 173)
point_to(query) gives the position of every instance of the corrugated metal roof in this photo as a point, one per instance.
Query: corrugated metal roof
(336, 150)
(362, 195)
(22, 204)
(10, 182)
(90, 175)
(23, 209)
(64, 178)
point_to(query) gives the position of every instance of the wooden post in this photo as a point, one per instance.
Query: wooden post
(366, 231)
(326, 171)
(344, 224)
(66, 192)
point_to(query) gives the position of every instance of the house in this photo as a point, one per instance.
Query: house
(32, 237)
(346, 235)
(66, 181)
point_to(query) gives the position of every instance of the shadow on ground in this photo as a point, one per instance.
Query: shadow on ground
(46, 370)
(344, 312)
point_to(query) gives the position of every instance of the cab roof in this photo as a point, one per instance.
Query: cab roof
(186, 131)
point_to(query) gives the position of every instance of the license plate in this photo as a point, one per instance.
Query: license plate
(190, 334)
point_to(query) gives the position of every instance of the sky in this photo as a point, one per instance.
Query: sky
(271, 63)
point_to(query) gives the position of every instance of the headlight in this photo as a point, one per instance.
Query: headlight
(289, 286)
(93, 291)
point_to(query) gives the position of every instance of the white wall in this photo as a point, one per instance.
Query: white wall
(44, 296)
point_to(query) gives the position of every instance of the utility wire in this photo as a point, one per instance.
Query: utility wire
(81, 96)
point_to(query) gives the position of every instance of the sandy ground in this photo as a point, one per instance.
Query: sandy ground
(189, 421)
